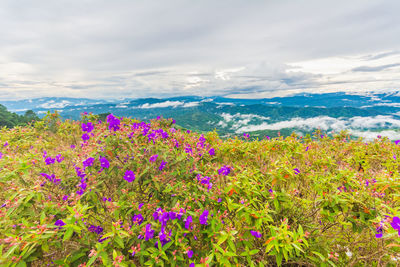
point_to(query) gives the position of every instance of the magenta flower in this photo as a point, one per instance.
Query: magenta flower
(396, 224)
(203, 217)
(59, 223)
(153, 158)
(85, 137)
(225, 170)
(95, 229)
(88, 162)
(256, 234)
(190, 253)
(162, 165)
(397, 142)
(379, 231)
(113, 122)
(49, 161)
(59, 158)
(211, 152)
(149, 232)
(87, 127)
(129, 176)
(137, 219)
(104, 163)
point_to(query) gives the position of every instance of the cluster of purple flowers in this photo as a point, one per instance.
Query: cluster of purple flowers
(225, 170)
(82, 184)
(137, 219)
(113, 122)
(204, 217)
(95, 229)
(153, 158)
(205, 180)
(87, 127)
(162, 165)
(211, 152)
(52, 178)
(396, 224)
(88, 162)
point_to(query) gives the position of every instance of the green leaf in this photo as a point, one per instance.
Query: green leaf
(92, 259)
(253, 252)
(119, 241)
(68, 234)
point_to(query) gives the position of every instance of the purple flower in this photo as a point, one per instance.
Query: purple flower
(211, 152)
(104, 162)
(190, 254)
(203, 217)
(87, 127)
(102, 239)
(49, 161)
(59, 223)
(88, 162)
(162, 165)
(219, 200)
(129, 176)
(137, 219)
(95, 229)
(149, 232)
(113, 122)
(140, 206)
(245, 135)
(225, 170)
(59, 158)
(1, 155)
(192, 264)
(65, 197)
(396, 224)
(296, 171)
(256, 234)
(379, 231)
(397, 142)
(85, 137)
(153, 158)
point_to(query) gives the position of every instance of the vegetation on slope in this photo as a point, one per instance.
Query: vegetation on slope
(10, 119)
(122, 192)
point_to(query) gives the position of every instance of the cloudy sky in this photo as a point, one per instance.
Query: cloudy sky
(247, 49)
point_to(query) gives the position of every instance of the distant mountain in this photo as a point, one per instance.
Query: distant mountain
(363, 115)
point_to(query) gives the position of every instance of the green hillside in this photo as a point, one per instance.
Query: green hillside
(121, 192)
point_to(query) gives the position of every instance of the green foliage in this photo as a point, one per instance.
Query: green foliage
(10, 119)
(314, 201)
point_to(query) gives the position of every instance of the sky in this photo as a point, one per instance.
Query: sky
(241, 49)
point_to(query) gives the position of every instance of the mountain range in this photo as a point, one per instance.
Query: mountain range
(367, 115)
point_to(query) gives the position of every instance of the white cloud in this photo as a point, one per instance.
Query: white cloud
(173, 104)
(53, 104)
(191, 104)
(240, 120)
(327, 123)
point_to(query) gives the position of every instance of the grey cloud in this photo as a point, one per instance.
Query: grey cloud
(375, 68)
(158, 48)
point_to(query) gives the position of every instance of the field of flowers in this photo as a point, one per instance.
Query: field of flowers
(127, 193)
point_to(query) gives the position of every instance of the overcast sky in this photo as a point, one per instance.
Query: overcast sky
(247, 49)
